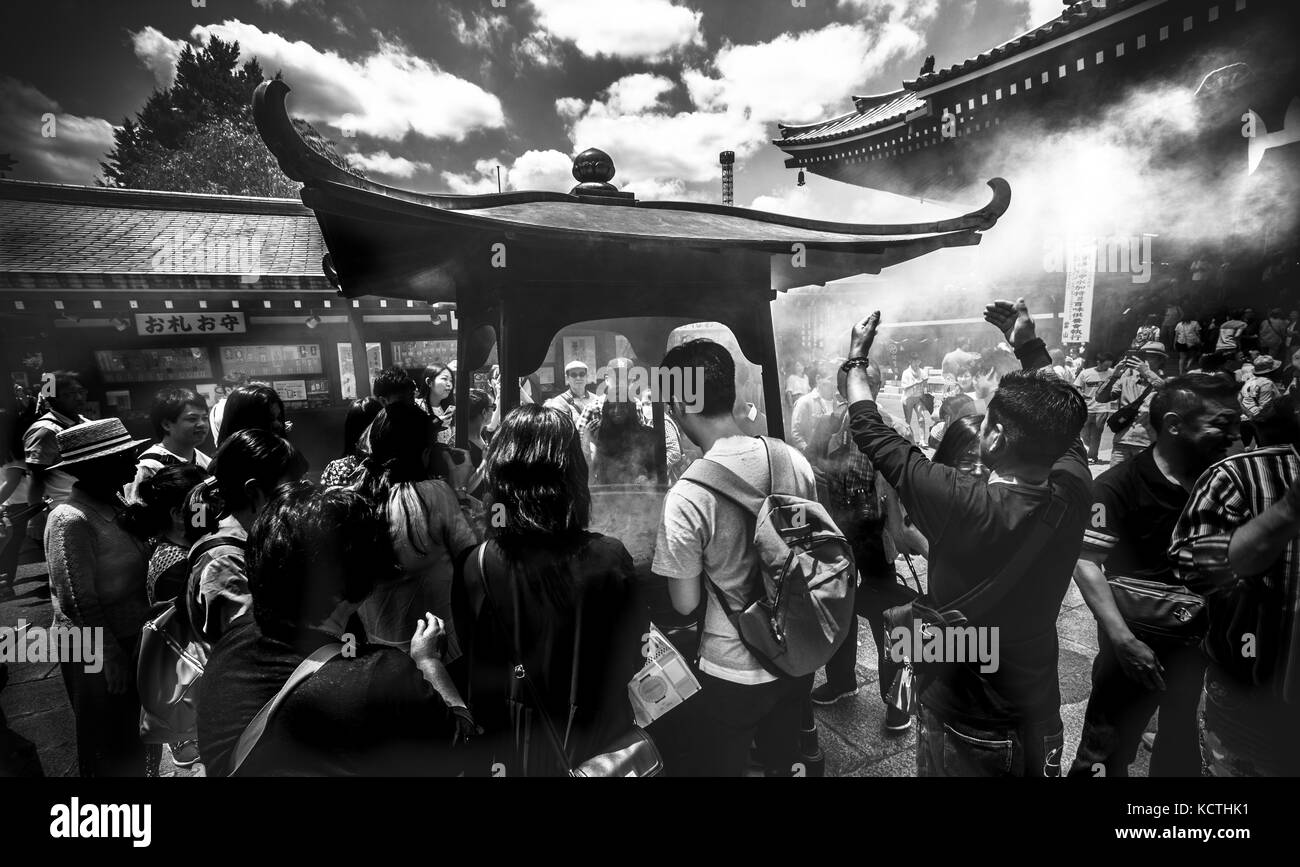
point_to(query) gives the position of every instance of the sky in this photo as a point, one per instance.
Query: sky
(434, 95)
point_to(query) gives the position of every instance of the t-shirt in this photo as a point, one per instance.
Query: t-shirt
(1230, 334)
(1188, 333)
(703, 534)
(372, 715)
(1089, 382)
(153, 460)
(41, 447)
(1135, 508)
(1140, 434)
(217, 595)
(566, 402)
(914, 383)
(21, 491)
(428, 531)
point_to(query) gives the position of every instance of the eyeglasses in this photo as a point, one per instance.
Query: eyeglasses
(578, 374)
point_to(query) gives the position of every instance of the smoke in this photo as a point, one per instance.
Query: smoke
(1159, 170)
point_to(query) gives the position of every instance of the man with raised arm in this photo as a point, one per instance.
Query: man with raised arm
(1001, 719)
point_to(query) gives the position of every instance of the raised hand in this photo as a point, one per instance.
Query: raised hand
(1012, 319)
(864, 336)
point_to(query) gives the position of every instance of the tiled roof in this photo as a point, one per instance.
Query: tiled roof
(49, 228)
(1072, 18)
(879, 111)
(871, 112)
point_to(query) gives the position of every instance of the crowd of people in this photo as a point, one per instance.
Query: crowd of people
(428, 610)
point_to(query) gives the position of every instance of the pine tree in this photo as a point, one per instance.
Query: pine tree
(199, 136)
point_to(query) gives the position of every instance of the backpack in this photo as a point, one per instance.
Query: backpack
(802, 590)
(171, 664)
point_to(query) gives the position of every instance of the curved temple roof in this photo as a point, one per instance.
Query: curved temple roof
(387, 241)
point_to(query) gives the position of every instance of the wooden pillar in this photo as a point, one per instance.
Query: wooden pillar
(360, 365)
(464, 377)
(509, 398)
(771, 372)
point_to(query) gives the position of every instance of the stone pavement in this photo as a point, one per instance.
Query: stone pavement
(851, 731)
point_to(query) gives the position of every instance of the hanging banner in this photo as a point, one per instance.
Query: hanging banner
(1080, 278)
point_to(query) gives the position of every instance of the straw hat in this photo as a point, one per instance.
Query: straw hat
(93, 439)
(1153, 346)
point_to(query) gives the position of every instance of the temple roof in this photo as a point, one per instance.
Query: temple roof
(427, 246)
(876, 112)
(55, 228)
(867, 115)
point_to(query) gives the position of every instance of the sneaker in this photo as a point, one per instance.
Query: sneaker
(896, 721)
(827, 694)
(185, 753)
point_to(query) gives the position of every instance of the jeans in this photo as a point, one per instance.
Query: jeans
(1119, 708)
(730, 717)
(1246, 731)
(1093, 429)
(916, 418)
(948, 748)
(878, 591)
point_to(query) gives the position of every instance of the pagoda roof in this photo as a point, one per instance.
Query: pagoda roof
(870, 112)
(1073, 18)
(435, 247)
(876, 112)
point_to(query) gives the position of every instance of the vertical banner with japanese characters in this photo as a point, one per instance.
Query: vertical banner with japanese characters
(1080, 277)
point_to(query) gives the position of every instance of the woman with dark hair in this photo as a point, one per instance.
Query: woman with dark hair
(625, 448)
(425, 524)
(253, 407)
(159, 518)
(439, 400)
(481, 408)
(547, 594)
(361, 413)
(246, 471)
(97, 584)
(960, 446)
(368, 710)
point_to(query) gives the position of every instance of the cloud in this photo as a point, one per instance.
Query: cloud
(538, 49)
(380, 162)
(657, 152)
(547, 170)
(386, 94)
(650, 30)
(71, 156)
(829, 62)
(481, 31)
(1041, 11)
(158, 54)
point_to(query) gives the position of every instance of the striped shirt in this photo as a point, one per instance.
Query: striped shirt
(1229, 495)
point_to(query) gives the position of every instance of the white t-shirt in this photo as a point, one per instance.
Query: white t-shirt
(1188, 333)
(152, 460)
(702, 533)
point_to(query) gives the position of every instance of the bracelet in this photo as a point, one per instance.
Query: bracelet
(856, 361)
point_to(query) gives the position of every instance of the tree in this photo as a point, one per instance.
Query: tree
(198, 136)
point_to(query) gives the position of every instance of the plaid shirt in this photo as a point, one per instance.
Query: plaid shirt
(849, 472)
(1229, 495)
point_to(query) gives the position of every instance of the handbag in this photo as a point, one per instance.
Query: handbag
(632, 754)
(905, 691)
(1121, 419)
(1160, 611)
